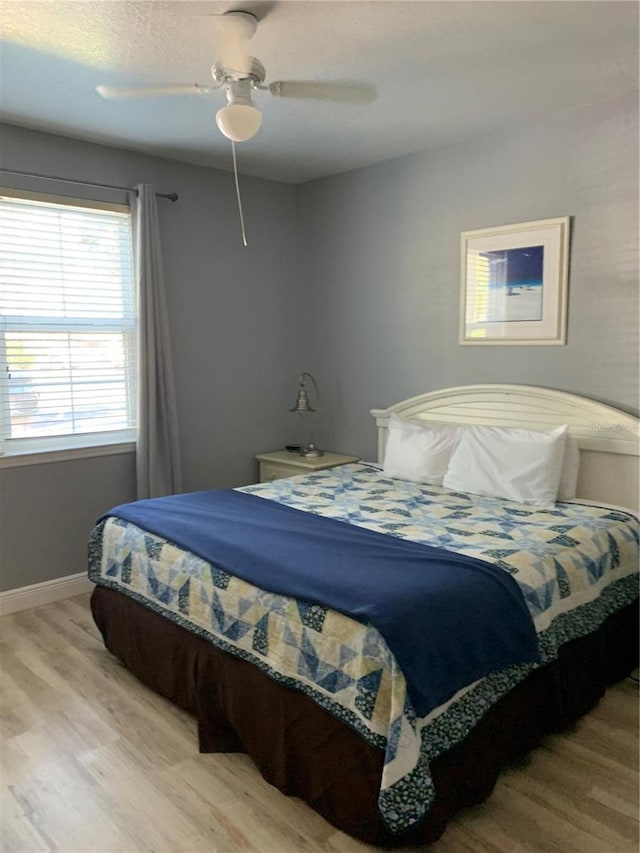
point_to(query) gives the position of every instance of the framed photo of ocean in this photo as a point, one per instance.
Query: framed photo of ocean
(514, 283)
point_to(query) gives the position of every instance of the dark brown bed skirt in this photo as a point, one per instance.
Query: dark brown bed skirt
(307, 753)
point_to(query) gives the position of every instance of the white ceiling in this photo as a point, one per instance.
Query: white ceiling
(443, 71)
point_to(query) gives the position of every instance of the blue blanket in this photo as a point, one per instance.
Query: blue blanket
(448, 619)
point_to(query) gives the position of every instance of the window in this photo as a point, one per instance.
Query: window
(67, 324)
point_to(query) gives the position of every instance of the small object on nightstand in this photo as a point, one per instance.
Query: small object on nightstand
(274, 466)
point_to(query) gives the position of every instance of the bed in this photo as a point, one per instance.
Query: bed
(317, 698)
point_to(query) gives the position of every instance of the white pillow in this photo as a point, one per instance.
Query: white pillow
(570, 465)
(517, 464)
(418, 453)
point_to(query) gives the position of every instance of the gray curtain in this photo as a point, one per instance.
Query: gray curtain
(157, 453)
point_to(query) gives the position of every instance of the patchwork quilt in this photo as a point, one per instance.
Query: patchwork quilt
(575, 564)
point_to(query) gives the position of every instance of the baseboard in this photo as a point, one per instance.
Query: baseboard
(37, 594)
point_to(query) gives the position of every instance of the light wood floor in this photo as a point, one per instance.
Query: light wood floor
(93, 761)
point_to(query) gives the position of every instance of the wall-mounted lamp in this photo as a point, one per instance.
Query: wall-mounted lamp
(303, 407)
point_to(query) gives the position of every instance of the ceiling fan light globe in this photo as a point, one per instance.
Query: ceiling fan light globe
(239, 122)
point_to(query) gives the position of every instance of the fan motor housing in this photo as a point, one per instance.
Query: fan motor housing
(255, 72)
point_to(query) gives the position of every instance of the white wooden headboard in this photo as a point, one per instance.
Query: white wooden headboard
(609, 440)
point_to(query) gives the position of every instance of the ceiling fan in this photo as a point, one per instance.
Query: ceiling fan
(241, 75)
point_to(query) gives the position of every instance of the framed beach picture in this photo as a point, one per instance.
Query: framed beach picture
(514, 283)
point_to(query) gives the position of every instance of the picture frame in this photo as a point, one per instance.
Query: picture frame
(513, 288)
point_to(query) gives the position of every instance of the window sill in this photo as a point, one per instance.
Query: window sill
(41, 457)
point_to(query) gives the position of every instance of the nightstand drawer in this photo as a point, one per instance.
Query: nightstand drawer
(275, 471)
(280, 463)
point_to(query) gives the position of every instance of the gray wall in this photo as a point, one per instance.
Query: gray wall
(379, 252)
(236, 346)
(47, 510)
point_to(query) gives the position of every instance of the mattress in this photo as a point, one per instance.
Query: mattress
(575, 565)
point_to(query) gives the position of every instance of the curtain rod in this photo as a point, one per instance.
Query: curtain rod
(170, 196)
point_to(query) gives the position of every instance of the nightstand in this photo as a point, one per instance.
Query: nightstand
(274, 466)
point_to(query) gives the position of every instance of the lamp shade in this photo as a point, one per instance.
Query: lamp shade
(239, 122)
(302, 405)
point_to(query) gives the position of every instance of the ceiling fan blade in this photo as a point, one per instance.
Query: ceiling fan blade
(338, 92)
(113, 92)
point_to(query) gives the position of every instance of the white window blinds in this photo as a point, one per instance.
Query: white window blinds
(67, 324)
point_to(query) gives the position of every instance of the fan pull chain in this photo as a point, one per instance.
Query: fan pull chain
(235, 174)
